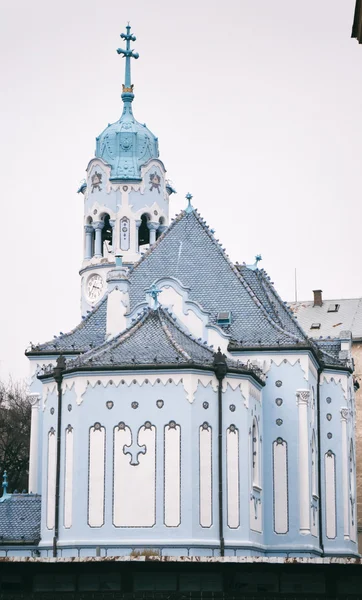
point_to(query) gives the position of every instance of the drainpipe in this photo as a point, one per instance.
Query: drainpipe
(319, 464)
(220, 367)
(58, 376)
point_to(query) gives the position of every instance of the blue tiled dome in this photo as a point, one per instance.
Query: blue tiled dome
(127, 144)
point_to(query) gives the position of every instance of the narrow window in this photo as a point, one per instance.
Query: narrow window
(255, 445)
(106, 236)
(143, 231)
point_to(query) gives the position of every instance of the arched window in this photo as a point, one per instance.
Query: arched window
(255, 446)
(314, 467)
(106, 235)
(143, 231)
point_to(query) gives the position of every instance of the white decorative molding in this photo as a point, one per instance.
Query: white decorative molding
(205, 470)
(266, 361)
(330, 495)
(337, 379)
(280, 487)
(134, 476)
(96, 474)
(48, 389)
(172, 469)
(68, 478)
(51, 478)
(189, 380)
(255, 394)
(232, 477)
(345, 413)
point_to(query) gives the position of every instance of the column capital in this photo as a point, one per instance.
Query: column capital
(153, 225)
(33, 399)
(112, 222)
(138, 223)
(88, 228)
(303, 397)
(344, 413)
(98, 224)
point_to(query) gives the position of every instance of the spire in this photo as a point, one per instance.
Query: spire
(127, 87)
(5, 487)
(189, 208)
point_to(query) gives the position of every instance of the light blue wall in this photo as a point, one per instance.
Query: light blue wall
(292, 378)
(333, 390)
(190, 537)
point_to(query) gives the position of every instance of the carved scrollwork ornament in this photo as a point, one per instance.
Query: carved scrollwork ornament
(303, 396)
(344, 413)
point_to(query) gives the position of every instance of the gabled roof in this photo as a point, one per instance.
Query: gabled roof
(154, 339)
(347, 318)
(189, 252)
(90, 333)
(330, 352)
(20, 519)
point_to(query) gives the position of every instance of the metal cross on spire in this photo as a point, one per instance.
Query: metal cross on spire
(127, 87)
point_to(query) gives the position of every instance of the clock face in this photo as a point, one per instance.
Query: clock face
(94, 287)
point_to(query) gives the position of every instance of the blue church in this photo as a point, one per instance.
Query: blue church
(187, 414)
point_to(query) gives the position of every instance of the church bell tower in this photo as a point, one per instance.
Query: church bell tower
(126, 193)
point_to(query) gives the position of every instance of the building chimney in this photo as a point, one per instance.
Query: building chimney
(317, 298)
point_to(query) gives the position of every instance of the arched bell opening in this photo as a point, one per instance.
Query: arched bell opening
(143, 231)
(106, 235)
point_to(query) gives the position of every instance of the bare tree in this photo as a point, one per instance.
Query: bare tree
(15, 415)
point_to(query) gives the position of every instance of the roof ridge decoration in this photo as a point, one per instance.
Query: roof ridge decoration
(184, 214)
(169, 335)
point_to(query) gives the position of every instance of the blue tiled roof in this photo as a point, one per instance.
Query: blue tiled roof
(329, 352)
(20, 519)
(90, 333)
(189, 252)
(154, 338)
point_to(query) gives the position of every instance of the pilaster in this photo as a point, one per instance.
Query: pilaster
(34, 400)
(345, 478)
(303, 459)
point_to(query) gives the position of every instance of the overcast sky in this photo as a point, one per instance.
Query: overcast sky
(257, 106)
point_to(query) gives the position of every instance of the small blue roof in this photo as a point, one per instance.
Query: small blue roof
(20, 519)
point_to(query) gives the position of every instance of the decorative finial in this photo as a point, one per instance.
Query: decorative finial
(253, 267)
(189, 207)
(5, 483)
(127, 87)
(154, 292)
